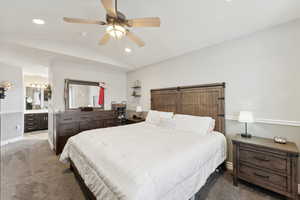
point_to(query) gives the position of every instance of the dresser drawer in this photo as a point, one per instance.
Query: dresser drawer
(110, 123)
(85, 125)
(29, 119)
(68, 118)
(30, 123)
(86, 116)
(29, 116)
(105, 115)
(29, 128)
(69, 129)
(97, 124)
(263, 178)
(264, 160)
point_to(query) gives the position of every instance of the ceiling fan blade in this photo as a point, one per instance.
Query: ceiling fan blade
(110, 7)
(135, 39)
(83, 21)
(144, 22)
(104, 39)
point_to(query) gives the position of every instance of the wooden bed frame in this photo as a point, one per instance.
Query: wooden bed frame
(199, 100)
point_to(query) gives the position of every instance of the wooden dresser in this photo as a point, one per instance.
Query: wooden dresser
(70, 123)
(267, 164)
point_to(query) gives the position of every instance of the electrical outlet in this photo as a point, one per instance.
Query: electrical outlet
(18, 127)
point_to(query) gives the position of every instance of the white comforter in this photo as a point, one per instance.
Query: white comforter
(144, 162)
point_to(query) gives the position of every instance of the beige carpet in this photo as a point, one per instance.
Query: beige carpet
(31, 171)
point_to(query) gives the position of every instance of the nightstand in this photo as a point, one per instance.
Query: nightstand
(263, 162)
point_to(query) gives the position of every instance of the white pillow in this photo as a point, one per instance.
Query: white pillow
(153, 117)
(166, 115)
(212, 125)
(156, 117)
(191, 123)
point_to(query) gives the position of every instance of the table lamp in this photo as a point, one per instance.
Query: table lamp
(246, 117)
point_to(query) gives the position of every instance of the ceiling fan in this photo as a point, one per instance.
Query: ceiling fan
(117, 24)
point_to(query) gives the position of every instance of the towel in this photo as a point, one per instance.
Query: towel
(101, 96)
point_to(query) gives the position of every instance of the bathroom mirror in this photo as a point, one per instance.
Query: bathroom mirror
(36, 98)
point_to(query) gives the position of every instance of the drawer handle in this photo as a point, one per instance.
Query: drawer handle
(262, 176)
(261, 159)
(67, 119)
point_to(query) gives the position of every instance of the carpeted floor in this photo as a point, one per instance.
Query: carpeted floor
(31, 171)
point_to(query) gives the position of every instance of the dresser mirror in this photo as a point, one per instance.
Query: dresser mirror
(79, 94)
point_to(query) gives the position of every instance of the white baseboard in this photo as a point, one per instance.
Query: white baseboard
(50, 144)
(229, 165)
(5, 142)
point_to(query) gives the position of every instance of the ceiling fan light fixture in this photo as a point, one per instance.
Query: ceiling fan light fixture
(38, 21)
(116, 31)
(127, 50)
(117, 24)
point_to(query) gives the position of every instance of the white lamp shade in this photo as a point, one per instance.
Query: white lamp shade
(139, 109)
(246, 117)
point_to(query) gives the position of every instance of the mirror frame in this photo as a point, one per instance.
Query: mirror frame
(69, 82)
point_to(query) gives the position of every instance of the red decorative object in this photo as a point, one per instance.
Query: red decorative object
(101, 94)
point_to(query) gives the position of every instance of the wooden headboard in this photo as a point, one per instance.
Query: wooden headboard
(198, 100)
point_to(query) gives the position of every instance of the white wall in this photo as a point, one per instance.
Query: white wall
(261, 72)
(12, 107)
(115, 79)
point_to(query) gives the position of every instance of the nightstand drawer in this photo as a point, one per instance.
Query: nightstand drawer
(263, 178)
(264, 160)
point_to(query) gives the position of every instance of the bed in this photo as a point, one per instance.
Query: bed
(146, 162)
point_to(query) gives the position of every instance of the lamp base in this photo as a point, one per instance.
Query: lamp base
(246, 135)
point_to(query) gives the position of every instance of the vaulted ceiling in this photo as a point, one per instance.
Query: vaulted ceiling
(186, 26)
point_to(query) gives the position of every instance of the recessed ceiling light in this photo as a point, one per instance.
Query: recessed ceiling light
(228, 0)
(128, 50)
(83, 34)
(38, 21)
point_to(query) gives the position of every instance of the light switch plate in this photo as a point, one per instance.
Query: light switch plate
(18, 127)
(298, 188)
